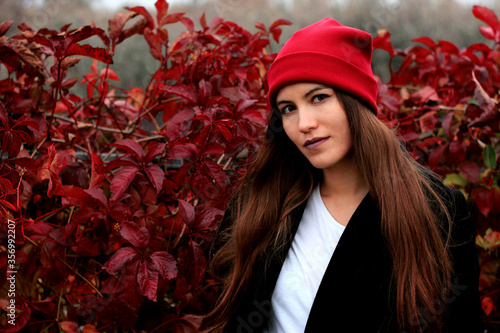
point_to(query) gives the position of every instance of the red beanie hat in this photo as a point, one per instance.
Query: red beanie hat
(330, 53)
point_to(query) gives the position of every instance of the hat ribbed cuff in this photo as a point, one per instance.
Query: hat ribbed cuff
(315, 67)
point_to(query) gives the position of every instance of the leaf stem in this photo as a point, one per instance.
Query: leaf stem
(81, 276)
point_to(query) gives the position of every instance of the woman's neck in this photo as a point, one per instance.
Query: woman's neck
(342, 190)
(344, 181)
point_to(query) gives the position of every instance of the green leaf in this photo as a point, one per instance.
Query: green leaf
(490, 157)
(455, 179)
(472, 101)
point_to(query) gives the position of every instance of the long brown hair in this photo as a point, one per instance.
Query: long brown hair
(280, 179)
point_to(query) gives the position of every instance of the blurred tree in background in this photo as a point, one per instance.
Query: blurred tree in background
(442, 19)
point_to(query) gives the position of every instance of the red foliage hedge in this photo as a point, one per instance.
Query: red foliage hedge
(113, 220)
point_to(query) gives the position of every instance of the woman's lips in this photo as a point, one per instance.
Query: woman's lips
(315, 143)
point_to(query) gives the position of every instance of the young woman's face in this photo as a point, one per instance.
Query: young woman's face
(315, 121)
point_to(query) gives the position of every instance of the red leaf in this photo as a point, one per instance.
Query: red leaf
(487, 305)
(484, 199)
(172, 18)
(181, 90)
(276, 34)
(141, 10)
(8, 205)
(119, 259)
(109, 74)
(382, 41)
(40, 228)
(116, 26)
(4, 27)
(426, 41)
(177, 126)
(97, 53)
(11, 144)
(55, 185)
(46, 306)
(154, 42)
(97, 171)
(425, 94)
(137, 236)
(87, 248)
(89, 329)
(186, 210)
(488, 115)
(3, 115)
(203, 21)
(209, 219)
(487, 32)
(68, 327)
(447, 124)
(127, 109)
(161, 11)
(65, 27)
(25, 27)
(448, 47)
(24, 53)
(234, 93)
(471, 171)
(131, 146)
(97, 194)
(216, 22)
(213, 148)
(255, 116)
(188, 23)
(215, 172)
(428, 121)
(244, 104)
(278, 23)
(487, 100)
(226, 133)
(197, 263)
(182, 151)
(137, 28)
(260, 26)
(435, 155)
(165, 264)
(121, 181)
(457, 151)
(82, 33)
(488, 16)
(147, 280)
(155, 175)
(127, 160)
(154, 150)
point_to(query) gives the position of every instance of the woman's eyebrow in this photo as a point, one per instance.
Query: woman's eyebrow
(283, 102)
(310, 92)
(305, 96)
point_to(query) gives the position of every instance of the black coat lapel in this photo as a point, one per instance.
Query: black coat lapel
(354, 293)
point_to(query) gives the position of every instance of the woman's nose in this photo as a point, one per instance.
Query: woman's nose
(307, 120)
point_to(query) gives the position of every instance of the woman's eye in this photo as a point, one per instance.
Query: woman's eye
(287, 109)
(319, 98)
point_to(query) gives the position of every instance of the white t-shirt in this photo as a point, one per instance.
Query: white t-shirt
(306, 263)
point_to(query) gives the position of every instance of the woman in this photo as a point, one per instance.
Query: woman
(334, 227)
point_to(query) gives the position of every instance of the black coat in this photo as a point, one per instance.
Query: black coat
(354, 295)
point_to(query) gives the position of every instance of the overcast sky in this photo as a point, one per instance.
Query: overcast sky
(122, 3)
(150, 3)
